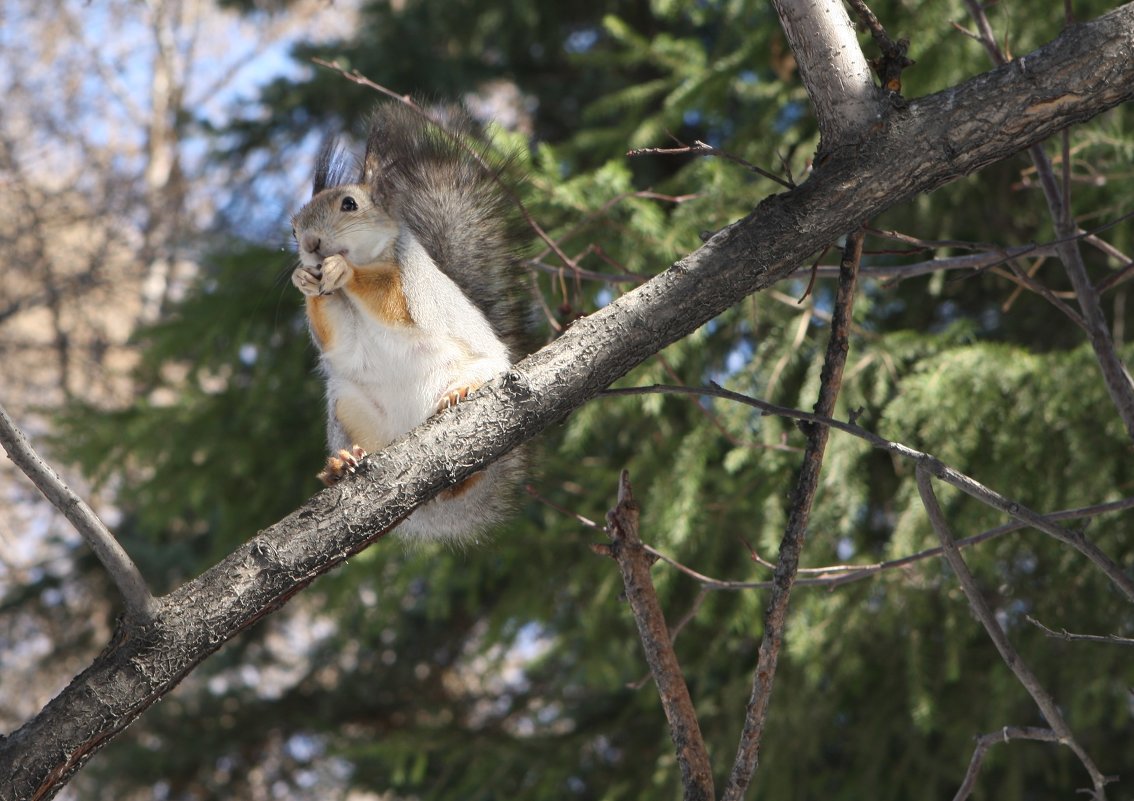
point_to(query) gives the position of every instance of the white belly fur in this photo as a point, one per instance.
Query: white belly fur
(384, 380)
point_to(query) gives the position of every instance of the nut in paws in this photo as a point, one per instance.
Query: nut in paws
(307, 279)
(336, 273)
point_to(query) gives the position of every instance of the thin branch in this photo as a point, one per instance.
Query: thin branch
(677, 627)
(1121, 276)
(986, 741)
(965, 483)
(634, 564)
(1064, 634)
(833, 576)
(775, 617)
(587, 275)
(1024, 280)
(586, 521)
(140, 604)
(699, 148)
(987, 618)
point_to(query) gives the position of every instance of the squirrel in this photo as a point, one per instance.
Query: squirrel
(415, 297)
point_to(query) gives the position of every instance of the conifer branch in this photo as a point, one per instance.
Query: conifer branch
(123, 572)
(634, 565)
(775, 617)
(1048, 708)
(967, 484)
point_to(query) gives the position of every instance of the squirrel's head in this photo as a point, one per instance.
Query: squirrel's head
(344, 220)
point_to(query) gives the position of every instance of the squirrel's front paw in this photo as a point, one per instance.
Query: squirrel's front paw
(336, 272)
(340, 466)
(456, 394)
(307, 279)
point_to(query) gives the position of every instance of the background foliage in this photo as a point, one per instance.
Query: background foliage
(512, 669)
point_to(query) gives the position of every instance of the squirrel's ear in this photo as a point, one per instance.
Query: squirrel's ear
(372, 159)
(330, 166)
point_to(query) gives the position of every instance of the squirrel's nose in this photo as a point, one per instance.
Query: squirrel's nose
(311, 243)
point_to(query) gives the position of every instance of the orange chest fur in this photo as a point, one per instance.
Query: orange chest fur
(375, 289)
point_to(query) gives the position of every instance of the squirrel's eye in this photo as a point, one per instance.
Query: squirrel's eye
(349, 204)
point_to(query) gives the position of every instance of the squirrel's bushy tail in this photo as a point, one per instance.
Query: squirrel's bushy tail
(443, 181)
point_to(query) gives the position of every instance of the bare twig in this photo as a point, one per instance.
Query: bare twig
(832, 576)
(140, 604)
(986, 741)
(1064, 634)
(1124, 274)
(700, 148)
(1119, 383)
(588, 275)
(894, 59)
(634, 564)
(987, 618)
(586, 521)
(775, 617)
(1025, 281)
(942, 471)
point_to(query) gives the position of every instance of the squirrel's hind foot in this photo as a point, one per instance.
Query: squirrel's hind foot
(341, 465)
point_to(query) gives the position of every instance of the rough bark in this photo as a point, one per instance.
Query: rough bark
(916, 148)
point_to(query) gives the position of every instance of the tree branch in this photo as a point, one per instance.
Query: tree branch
(1064, 634)
(929, 142)
(986, 741)
(987, 618)
(1119, 384)
(775, 617)
(833, 576)
(123, 572)
(634, 564)
(894, 59)
(834, 70)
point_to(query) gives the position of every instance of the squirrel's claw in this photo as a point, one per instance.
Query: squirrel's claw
(456, 395)
(341, 465)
